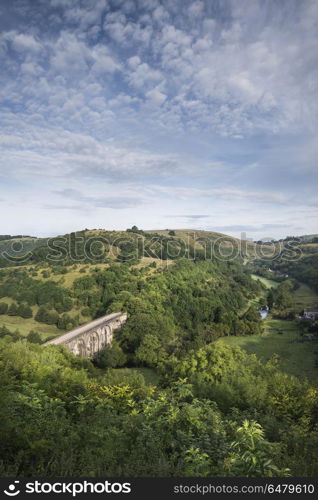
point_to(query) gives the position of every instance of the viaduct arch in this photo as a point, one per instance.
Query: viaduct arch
(87, 340)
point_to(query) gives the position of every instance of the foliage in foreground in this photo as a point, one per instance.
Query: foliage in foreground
(219, 412)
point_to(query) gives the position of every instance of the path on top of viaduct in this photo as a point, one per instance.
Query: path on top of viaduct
(87, 340)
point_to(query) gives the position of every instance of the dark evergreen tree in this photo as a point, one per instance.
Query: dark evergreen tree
(13, 309)
(3, 308)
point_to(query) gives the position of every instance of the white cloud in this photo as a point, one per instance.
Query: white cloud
(196, 8)
(22, 42)
(65, 153)
(146, 91)
(134, 61)
(104, 64)
(160, 14)
(266, 79)
(156, 97)
(31, 68)
(225, 193)
(143, 75)
(70, 56)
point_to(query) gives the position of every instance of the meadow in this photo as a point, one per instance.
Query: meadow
(266, 282)
(294, 357)
(281, 337)
(305, 298)
(66, 280)
(25, 325)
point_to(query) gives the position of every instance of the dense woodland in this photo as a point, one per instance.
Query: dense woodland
(304, 269)
(299, 260)
(165, 399)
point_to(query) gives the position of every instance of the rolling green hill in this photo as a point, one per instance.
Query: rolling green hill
(103, 246)
(193, 367)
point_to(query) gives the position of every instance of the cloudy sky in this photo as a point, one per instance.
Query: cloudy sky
(160, 113)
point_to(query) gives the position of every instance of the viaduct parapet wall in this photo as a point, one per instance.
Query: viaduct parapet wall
(87, 340)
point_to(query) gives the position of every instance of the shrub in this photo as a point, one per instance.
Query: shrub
(45, 316)
(24, 311)
(111, 357)
(34, 337)
(13, 309)
(3, 308)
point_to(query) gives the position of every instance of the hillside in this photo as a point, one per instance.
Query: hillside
(309, 238)
(282, 336)
(16, 248)
(58, 285)
(98, 245)
(297, 259)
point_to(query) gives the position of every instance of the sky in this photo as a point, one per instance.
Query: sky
(163, 114)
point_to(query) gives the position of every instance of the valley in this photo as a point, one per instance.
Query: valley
(159, 247)
(194, 349)
(281, 338)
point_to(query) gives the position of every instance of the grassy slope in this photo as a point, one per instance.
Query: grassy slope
(191, 237)
(264, 346)
(25, 325)
(308, 237)
(255, 302)
(305, 298)
(65, 280)
(268, 283)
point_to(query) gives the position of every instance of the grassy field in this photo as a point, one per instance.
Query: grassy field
(67, 280)
(295, 358)
(305, 298)
(25, 325)
(161, 264)
(256, 301)
(80, 270)
(7, 300)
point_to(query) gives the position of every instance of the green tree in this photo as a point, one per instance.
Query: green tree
(45, 316)
(3, 308)
(270, 298)
(197, 463)
(66, 322)
(34, 337)
(252, 455)
(13, 309)
(150, 352)
(24, 311)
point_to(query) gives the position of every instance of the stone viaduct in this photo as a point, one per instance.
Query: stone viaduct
(89, 339)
